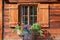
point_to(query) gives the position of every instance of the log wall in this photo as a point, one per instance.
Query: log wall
(44, 15)
(0, 19)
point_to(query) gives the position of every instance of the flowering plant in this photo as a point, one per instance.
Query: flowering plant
(36, 27)
(19, 30)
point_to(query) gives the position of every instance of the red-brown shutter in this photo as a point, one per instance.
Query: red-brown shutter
(13, 13)
(43, 15)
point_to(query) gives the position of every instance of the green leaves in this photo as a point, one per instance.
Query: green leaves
(22, 32)
(35, 27)
(18, 28)
(41, 32)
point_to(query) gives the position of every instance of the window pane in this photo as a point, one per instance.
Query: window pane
(31, 20)
(24, 10)
(25, 19)
(33, 10)
(35, 19)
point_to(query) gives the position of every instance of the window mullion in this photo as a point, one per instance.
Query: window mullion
(33, 14)
(22, 15)
(28, 14)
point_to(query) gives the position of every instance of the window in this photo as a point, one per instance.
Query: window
(27, 14)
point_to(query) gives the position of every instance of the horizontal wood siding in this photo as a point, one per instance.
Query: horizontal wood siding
(0, 19)
(11, 17)
(55, 6)
(55, 15)
(33, 1)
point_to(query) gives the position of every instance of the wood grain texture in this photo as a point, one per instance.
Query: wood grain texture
(43, 15)
(54, 15)
(55, 6)
(0, 19)
(32, 1)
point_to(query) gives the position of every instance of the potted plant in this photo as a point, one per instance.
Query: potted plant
(23, 31)
(27, 30)
(19, 30)
(36, 27)
(36, 31)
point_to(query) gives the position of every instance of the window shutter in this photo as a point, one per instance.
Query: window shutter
(43, 15)
(13, 17)
(13, 13)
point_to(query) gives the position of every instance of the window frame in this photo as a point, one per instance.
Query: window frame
(27, 13)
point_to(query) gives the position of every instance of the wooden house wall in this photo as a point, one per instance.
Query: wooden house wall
(44, 15)
(0, 19)
(55, 15)
(33, 1)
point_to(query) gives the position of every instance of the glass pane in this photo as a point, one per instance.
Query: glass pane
(24, 10)
(25, 22)
(35, 19)
(25, 19)
(31, 20)
(33, 10)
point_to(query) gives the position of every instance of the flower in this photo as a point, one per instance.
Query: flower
(18, 32)
(27, 26)
(19, 23)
